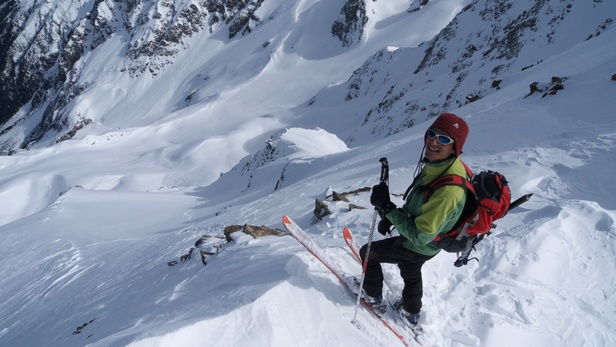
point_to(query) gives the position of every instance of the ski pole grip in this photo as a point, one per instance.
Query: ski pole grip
(384, 170)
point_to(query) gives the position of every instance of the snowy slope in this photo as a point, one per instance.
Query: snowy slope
(88, 225)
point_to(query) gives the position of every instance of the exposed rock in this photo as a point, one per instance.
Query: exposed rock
(534, 88)
(187, 256)
(339, 197)
(417, 5)
(252, 230)
(472, 98)
(553, 90)
(556, 84)
(321, 209)
(81, 327)
(350, 24)
(262, 231)
(230, 230)
(355, 207)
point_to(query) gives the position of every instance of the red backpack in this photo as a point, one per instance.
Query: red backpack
(488, 198)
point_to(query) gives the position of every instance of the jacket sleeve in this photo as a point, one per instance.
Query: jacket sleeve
(438, 214)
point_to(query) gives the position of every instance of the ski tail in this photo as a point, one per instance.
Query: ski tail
(314, 249)
(352, 243)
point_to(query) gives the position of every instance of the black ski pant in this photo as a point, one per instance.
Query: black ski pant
(391, 251)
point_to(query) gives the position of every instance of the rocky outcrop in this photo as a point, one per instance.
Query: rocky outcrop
(349, 26)
(43, 41)
(461, 64)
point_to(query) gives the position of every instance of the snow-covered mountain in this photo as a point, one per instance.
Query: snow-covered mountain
(137, 127)
(58, 53)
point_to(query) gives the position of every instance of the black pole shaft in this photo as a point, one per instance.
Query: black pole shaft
(519, 201)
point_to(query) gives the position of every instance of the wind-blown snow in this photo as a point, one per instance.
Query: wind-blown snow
(313, 143)
(88, 225)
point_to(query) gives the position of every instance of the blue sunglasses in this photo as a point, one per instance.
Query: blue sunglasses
(442, 139)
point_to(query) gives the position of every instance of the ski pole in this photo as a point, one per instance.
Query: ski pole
(519, 201)
(383, 179)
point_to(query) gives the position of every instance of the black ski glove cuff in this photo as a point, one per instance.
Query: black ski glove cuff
(384, 210)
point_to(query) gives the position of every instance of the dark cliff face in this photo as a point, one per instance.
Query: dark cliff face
(42, 42)
(11, 98)
(349, 26)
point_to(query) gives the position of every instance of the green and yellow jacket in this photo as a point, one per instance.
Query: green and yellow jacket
(420, 222)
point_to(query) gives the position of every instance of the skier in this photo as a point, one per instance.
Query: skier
(417, 221)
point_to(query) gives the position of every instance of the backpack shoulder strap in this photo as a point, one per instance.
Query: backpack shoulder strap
(447, 180)
(450, 180)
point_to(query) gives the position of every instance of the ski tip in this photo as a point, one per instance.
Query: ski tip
(346, 232)
(286, 220)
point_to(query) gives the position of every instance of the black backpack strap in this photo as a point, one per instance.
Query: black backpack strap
(408, 190)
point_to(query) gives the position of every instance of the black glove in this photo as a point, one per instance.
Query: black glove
(380, 198)
(384, 227)
(380, 195)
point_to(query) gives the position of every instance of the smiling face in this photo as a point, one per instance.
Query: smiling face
(436, 151)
